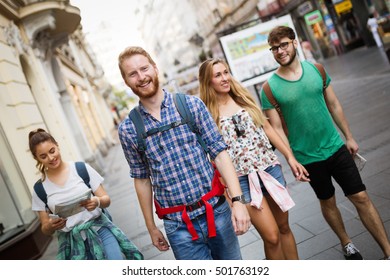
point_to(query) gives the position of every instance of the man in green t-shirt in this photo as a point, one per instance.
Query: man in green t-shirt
(309, 113)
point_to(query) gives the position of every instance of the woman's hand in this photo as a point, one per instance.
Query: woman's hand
(99, 200)
(57, 223)
(91, 204)
(298, 170)
(49, 225)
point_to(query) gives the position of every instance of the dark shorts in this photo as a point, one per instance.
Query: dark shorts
(342, 168)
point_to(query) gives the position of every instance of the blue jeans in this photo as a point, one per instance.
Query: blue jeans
(274, 170)
(224, 246)
(110, 244)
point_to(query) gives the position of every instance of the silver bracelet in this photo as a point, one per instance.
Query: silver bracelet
(98, 200)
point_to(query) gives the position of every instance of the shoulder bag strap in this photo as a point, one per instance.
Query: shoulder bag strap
(272, 100)
(321, 68)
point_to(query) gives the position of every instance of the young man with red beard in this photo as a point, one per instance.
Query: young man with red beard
(309, 111)
(175, 170)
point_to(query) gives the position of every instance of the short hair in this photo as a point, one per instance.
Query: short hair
(279, 33)
(129, 52)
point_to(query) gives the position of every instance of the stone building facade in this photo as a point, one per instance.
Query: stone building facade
(49, 79)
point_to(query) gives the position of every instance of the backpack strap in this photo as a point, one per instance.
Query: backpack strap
(185, 113)
(41, 193)
(136, 118)
(83, 172)
(272, 100)
(186, 118)
(321, 69)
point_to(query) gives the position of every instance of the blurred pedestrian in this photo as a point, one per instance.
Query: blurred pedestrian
(309, 110)
(176, 171)
(308, 51)
(372, 25)
(248, 134)
(88, 234)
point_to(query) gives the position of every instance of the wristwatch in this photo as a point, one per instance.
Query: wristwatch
(240, 198)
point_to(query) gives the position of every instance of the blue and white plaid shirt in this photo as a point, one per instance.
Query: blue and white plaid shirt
(177, 164)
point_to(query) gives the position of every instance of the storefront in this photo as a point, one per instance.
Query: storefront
(331, 27)
(315, 26)
(19, 226)
(320, 33)
(48, 80)
(347, 23)
(380, 10)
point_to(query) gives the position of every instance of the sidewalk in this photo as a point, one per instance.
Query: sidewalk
(361, 80)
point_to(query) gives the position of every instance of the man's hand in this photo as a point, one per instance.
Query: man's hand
(159, 240)
(240, 218)
(352, 146)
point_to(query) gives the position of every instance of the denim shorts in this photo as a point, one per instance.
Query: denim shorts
(224, 246)
(274, 170)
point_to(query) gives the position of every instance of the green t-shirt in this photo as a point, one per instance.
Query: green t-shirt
(312, 135)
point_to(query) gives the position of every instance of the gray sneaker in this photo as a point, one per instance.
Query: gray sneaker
(351, 252)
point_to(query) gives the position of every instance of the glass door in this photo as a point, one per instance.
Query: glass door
(15, 198)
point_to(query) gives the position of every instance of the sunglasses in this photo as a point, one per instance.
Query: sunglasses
(282, 46)
(240, 130)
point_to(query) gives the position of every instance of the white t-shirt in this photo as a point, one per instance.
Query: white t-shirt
(74, 186)
(373, 23)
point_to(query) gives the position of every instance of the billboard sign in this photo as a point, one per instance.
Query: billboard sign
(313, 17)
(247, 51)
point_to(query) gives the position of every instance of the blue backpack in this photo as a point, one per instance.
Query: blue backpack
(82, 172)
(186, 118)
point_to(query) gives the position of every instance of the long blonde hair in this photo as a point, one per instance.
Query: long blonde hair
(238, 93)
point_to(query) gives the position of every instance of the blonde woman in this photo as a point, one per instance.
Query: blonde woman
(249, 135)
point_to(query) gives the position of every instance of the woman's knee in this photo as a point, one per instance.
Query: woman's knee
(271, 238)
(284, 228)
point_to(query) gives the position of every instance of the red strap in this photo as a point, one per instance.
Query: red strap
(210, 219)
(217, 189)
(161, 212)
(189, 224)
